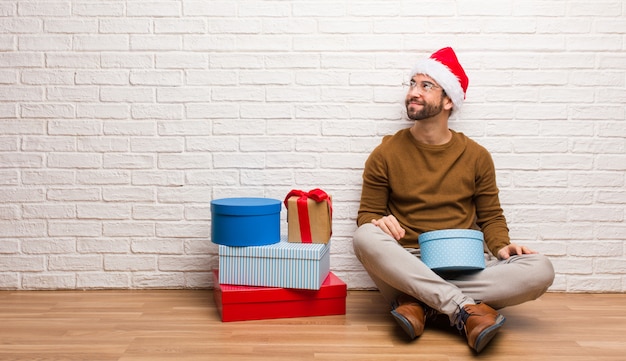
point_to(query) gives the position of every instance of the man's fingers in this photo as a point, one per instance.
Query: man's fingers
(395, 230)
(389, 224)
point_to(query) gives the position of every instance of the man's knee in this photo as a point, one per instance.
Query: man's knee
(537, 276)
(544, 275)
(360, 238)
(371, 242)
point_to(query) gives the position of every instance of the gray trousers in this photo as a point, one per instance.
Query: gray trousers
(396, 270)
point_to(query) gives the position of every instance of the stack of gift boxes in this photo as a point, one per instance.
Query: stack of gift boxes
(264, 275)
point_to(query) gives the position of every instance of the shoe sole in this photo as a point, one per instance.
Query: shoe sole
(404, 323)
(487, 335)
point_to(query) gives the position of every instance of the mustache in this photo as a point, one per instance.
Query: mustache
(415, 101)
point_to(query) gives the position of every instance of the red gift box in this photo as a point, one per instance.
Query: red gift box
(241, 303)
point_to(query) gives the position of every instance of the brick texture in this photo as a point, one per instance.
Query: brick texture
(121, 120)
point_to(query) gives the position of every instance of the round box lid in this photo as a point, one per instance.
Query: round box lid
(245, 206)
(450, 233)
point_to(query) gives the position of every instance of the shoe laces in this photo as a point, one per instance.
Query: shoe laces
(460, 318)
(430, 312)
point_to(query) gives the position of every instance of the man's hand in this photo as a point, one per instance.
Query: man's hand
(390, 225)
(513, 249)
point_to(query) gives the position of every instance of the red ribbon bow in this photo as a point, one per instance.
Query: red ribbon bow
(317, 195)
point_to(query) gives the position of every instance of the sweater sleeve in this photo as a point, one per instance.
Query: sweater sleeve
(489, 215)
(375, 190)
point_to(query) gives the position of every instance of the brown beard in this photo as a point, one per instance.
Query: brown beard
(428, 110)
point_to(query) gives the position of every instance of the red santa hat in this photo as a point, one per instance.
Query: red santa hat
(444, 67)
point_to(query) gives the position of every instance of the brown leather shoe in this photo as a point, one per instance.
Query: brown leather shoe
(481, 324)
(410, 315)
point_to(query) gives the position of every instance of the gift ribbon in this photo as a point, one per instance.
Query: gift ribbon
(317, 195)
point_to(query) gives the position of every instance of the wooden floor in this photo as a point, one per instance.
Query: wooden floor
(185, 325)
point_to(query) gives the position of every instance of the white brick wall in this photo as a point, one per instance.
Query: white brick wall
(121, 120)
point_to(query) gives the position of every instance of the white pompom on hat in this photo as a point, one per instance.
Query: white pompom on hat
(444, 67)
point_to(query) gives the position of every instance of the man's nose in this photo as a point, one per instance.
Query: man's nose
(415, 91)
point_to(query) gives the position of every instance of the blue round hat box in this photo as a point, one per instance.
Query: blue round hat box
(452, 250)
(242, 222)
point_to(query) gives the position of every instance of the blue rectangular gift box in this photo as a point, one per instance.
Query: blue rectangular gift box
(283, 264)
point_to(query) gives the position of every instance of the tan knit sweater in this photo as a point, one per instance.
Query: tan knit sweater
(433, 187)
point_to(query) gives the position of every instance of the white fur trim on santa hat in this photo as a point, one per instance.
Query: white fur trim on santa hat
(444, 77)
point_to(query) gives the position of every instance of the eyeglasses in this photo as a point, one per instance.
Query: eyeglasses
(424, 86)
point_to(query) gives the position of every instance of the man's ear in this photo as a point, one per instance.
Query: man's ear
(447, 103)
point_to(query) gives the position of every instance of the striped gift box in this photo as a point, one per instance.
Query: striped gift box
(283, 264)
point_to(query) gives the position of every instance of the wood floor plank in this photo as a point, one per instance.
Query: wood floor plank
(155, 325)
